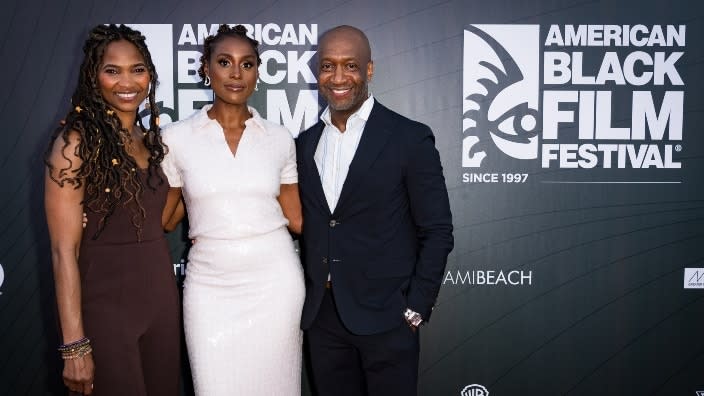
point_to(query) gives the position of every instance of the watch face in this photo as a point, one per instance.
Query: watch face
(413, 318)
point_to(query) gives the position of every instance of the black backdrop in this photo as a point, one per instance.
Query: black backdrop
(601, 290)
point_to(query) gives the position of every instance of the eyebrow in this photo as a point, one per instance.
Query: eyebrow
(345, 60)
(130, 66)
(225, 54)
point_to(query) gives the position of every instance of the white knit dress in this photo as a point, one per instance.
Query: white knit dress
(244, 287)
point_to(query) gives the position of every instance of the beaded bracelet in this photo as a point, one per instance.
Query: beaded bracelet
(79, 353)
(75, 349)
(77, 342)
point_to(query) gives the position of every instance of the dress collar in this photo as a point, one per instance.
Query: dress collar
(201, 118)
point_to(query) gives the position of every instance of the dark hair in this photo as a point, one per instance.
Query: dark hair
(238, 31)
(109, 173)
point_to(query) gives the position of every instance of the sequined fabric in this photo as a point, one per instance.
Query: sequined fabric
(244, 289)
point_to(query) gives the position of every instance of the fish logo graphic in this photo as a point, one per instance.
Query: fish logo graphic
(500, 92)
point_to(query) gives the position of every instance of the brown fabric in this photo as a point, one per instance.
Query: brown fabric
(130, 302)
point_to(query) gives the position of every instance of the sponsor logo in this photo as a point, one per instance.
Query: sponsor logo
(474, 390)
(489, 278)
(500, 93)
(546, 97)
(286, 55)
(700, 393)
(694, 278)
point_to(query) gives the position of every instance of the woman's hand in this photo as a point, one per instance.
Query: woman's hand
(79, 373)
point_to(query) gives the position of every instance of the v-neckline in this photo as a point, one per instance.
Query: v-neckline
(233, 154)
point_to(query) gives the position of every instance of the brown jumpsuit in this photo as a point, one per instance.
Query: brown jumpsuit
(130, 301)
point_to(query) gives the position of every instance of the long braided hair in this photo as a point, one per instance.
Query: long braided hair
(108, 171)
(237, 31)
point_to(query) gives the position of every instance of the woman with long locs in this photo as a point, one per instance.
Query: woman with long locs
(116, 293)
(244, 287)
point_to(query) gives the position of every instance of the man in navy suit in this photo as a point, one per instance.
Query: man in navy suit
(377, 230)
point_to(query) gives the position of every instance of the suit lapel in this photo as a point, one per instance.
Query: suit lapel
(374, 137)
(309, 158)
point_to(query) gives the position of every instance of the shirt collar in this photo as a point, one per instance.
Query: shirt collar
(363, 112)
(201, 118)
(256, 119)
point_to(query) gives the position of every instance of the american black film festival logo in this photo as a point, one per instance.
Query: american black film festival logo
(286, 51)
(571, 97)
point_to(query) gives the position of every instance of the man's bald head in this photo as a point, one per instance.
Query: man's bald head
(350, 34)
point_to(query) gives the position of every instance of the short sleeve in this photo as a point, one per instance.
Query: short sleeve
(168, 165)
(289, 173)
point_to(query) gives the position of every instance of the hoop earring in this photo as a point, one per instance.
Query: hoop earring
(206, 82)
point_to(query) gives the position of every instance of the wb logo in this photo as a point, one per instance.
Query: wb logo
(500, 92)
(474, 390)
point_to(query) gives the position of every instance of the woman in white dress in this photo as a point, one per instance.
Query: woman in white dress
(244, 287)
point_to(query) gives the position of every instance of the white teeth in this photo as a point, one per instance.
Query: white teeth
(127, 95)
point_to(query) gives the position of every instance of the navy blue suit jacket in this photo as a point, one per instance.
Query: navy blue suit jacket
(386, 243)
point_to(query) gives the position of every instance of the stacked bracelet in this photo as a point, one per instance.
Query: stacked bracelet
(75, 349)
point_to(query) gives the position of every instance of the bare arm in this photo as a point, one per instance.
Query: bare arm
(174, 210)
(64, 210)
(290, 203)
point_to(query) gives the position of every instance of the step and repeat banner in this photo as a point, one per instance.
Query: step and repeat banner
(570, 133)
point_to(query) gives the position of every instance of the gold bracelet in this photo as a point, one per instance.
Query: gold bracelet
(77, 353)
(75, 349)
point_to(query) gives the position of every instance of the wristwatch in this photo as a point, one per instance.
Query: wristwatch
(412, 317)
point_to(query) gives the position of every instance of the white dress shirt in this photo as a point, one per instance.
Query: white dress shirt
(336, 149)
